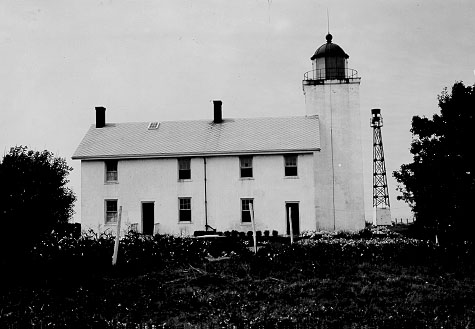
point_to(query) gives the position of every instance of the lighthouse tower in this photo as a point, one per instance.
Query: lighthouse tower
(331, 92)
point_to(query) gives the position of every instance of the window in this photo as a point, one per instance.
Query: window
(111, 211)
(290, 165)
(184, 205)
(184, 168)
(111, 171)
(246, 166)
(246, 210)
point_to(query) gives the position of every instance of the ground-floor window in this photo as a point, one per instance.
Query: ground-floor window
(246, 210)
(184, 206)
(111, 211)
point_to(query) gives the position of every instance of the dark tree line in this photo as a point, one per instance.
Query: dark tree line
(439, 184)
(34, 198)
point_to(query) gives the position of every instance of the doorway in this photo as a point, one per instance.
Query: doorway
(294, 213)
(148, 217)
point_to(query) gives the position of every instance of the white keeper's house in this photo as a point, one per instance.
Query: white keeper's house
(178, 177)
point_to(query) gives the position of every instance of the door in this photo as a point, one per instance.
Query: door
(148, 217)
(294, 213)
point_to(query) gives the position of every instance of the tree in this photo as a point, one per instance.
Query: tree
(34, 198)
(439, 184)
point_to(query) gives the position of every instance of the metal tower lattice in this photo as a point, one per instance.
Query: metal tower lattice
(380, 183)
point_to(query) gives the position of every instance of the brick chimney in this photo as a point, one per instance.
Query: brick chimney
(218, 113)
(100, 117)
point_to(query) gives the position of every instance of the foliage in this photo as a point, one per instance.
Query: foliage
(439, 184)
(325, 280)
(34, 198)
(366, 233)
(91, 254)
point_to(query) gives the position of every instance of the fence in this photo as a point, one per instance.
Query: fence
(404, 220)
(331, 73)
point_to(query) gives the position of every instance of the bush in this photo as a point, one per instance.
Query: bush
(340, 279)
(91, 253)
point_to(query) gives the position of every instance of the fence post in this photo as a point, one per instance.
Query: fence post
(251, 210)
(116, 244)
(290, 226)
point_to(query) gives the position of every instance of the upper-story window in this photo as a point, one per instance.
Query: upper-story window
(184, 168)
(245, 163)
(111, 171)
(290, 165)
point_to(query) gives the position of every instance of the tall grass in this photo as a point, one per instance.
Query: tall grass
(371, 279)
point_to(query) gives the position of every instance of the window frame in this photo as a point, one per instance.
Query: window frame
(250, 168)
(107, 163)
(180, 161)
(106, 212)
(289, 167)
(246, 210)
(180, 210)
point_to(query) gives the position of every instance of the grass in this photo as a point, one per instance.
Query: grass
(254, 291)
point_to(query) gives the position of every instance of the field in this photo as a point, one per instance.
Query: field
(373, 279)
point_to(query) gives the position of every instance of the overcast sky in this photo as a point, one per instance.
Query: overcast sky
(167, 60)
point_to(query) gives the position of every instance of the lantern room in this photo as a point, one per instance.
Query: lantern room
(329, 62)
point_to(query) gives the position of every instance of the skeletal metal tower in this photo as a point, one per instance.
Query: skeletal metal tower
(381, 210)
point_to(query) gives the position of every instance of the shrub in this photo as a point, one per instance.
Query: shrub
(91, 253)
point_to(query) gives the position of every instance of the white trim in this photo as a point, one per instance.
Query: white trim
(296, 166)
(241, 210)
(115, 181)
(192, 155)
(114, 223)
(191, 210)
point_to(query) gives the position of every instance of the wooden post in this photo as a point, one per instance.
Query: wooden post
(117, 236)
(251, 210)
(290, 226)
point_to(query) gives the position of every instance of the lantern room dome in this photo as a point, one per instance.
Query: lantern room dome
(329, 49)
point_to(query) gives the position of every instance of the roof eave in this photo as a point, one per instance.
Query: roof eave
(193, 154)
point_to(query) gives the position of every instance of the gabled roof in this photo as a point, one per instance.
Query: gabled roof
(201, 137)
